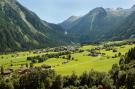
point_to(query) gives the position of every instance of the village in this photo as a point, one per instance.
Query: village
(65, 53)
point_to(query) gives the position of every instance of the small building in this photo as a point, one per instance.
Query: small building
(94, 54)
(100, 87)
(7, 72)
(22, 71)
(71, 48)
(46, 66)
(98, 48)
(65, 61)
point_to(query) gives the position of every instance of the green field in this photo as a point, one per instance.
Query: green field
(81, 63)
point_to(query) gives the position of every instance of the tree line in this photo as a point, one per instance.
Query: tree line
(43, 58)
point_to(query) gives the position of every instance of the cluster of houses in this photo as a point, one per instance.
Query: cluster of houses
(65, 48)
(56, 49)
(95, 52)
(23, 70)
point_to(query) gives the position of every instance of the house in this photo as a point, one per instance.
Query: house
(32, 69)
(100, 87)
(22, 71)
(37, 51)
(46, 66)
(7, 72)
(94, 54)
(66, 61)
(98, 48)
(71, 48)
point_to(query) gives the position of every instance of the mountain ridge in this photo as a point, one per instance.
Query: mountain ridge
(22, 29)
(97, 24)
(26, 30)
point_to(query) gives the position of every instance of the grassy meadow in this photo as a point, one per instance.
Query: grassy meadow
(81, 63)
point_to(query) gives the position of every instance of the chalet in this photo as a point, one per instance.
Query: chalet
(37, 51)
(94, 54)
(7, 72)
(45, 50)
(100, 87)
(71, 48)
(98, 48)
(46, 66)
(22, 71)
(66, 61)
(32, 69)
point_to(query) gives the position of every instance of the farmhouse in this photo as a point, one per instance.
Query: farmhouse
(100, 87)
(37, 51)
(44, 66)
(71, 48)
(94, 54)
(7, 72)
(22, 71)
(65, 61)
(98, 48)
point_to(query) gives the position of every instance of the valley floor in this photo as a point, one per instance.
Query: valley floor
(82, 61)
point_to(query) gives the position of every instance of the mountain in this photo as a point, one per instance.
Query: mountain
(70, 22)
(21, 29)
(95, 25)
(126, 30)
(133, 8)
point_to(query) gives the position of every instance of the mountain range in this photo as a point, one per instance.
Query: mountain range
(97, 25)
(22, 29)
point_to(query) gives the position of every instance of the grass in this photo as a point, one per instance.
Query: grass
(81, 63)
(87, 47)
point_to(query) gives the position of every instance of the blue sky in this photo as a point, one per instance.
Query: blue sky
(56, 11)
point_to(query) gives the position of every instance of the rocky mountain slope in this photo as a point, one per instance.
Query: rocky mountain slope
(126, 30)
(21, 29)
(95, 25)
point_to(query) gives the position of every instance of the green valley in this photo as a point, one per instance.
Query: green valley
(80, 63)
(41, 49)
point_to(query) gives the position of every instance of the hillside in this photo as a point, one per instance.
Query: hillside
(23, 29)
(69, 23)
(95, 25)
(126, 30)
